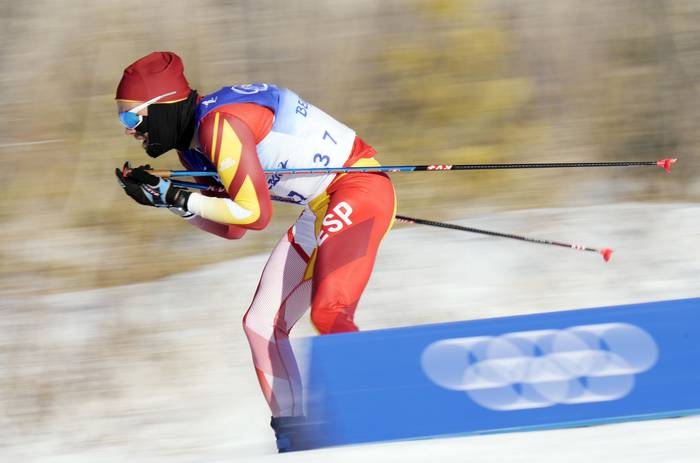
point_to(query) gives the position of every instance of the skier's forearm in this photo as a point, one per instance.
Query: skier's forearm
(243, 211)
(230, 232)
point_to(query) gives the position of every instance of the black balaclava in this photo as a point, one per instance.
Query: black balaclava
(171, 125)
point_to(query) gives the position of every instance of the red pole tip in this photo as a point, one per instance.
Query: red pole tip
(666, 163)
(606, 253)
(126, 169)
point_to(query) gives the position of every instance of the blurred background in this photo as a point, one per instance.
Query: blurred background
(423, 81)
(430, 81)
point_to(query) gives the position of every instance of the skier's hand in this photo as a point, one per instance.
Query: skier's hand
(149, 190)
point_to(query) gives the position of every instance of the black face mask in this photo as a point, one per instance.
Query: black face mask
(170, 125)
(143, 126)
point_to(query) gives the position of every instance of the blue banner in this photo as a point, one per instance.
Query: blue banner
(538, 371)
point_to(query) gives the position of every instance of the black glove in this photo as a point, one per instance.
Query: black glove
(149, 190)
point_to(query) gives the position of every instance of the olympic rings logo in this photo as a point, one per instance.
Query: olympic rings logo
(249, 89)
(535, 369)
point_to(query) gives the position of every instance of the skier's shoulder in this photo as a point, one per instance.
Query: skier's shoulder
(258, 119)
(261, 94)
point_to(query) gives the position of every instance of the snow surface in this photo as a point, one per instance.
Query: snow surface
(161, 372)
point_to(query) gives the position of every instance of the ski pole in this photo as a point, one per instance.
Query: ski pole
(605, 252)
(663, 163)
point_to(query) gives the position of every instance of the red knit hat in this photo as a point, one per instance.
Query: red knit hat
(153, 75)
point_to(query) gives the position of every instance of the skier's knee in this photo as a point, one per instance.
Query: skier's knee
(332, 320)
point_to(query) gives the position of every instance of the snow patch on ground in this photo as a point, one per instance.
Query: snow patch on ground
(161, 371)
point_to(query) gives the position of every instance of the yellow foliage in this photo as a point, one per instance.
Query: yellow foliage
(503, 94)
(476, 154)
(446, 9)
(454, 100)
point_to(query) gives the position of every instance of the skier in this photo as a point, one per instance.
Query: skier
(323, 261)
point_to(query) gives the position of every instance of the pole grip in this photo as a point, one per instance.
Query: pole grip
(161, 173)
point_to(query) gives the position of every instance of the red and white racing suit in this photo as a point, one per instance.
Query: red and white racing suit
(325, 259)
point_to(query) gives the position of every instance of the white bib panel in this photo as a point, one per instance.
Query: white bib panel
(303, 136)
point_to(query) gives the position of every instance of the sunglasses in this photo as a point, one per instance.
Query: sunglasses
(131, 120)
